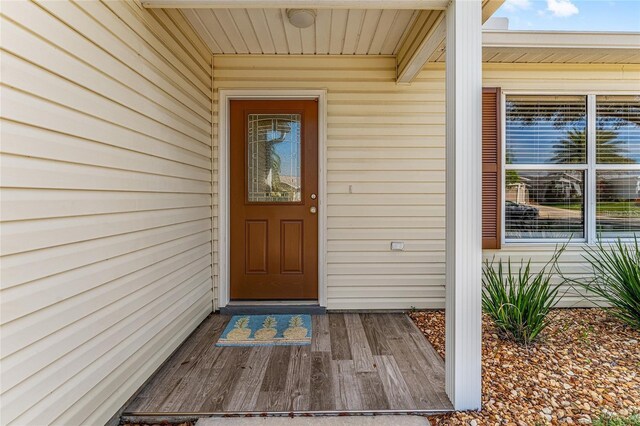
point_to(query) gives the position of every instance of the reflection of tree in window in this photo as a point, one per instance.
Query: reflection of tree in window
(608, 147)
(274, 162)
(618, 124)
(511, 176)
(536, 124)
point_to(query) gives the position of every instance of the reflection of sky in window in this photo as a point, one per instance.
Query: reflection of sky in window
(289, 152)
(627, 138)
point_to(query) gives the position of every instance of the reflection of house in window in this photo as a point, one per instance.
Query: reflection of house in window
(518, 192)
(550, 188)
(545, 203)
(618, 202)
(290, 183)
(560, 187)
(618, 187)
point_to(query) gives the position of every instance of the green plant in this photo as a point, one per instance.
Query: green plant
(615, 278)
(585, 335)
(610, 420)
(519, 304)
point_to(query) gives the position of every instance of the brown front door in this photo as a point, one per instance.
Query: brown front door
(274, 203)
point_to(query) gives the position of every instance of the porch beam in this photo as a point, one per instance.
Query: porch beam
(424, 38)
(463, 203)
(423, 42)
(293, 4)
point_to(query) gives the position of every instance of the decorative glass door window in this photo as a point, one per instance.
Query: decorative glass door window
(274, 158)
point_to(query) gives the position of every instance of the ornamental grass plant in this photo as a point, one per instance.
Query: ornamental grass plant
(615, 279)
(519, 303)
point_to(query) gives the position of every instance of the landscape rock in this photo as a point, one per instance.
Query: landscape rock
(583, 366)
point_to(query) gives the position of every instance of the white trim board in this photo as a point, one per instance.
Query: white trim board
(561, 39)
(224, 97)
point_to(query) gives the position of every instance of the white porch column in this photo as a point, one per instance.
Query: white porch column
(464, 203)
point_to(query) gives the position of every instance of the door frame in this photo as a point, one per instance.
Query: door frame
(224, 168)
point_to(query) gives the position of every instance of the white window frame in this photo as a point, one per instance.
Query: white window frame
(590, 169)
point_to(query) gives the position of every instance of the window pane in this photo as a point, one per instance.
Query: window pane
(546, 129)
(274, 158)
(618, 203)
(544, 204)
(618, 129)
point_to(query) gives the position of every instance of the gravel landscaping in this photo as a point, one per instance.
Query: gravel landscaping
(585, 364)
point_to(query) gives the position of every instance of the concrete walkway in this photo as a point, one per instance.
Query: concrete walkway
(316, 421)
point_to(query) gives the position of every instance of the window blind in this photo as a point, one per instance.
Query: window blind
(618, 203)
(544, 204)
(618, 129)
(546, 130)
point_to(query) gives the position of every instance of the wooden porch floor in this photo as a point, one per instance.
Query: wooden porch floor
(356, 363)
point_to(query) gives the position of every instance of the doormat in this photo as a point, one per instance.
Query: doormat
(267, 330)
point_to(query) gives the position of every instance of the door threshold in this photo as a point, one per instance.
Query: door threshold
(273, 302)
(268, 307)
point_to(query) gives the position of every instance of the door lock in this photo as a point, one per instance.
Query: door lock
(314, 196)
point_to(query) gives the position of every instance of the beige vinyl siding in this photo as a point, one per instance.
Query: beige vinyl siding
(385, 174)
(552, 79)
(106, 236)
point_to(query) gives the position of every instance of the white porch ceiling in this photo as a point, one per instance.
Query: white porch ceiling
(335, 31)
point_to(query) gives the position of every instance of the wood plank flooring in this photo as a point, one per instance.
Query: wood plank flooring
(356, 362)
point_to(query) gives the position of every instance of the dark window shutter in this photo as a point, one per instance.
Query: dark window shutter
(491, 169)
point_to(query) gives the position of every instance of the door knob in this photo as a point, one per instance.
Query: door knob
(313, 210)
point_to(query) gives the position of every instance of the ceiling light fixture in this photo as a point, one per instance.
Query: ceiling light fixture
(301, 18)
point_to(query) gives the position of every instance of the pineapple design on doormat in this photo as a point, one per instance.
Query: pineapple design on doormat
(296, 330)
(268, 330)
(241, 330)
